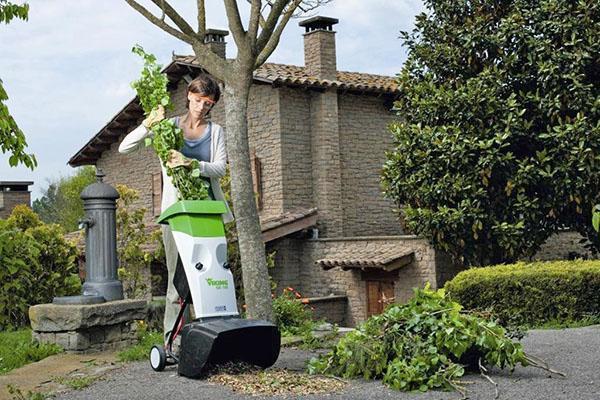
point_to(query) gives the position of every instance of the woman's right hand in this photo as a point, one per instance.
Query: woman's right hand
(156, 115)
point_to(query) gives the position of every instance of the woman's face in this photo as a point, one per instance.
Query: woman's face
(200, 104)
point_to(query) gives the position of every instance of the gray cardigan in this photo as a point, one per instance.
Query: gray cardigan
(213, 170)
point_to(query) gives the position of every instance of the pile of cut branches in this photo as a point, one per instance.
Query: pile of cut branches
(424, 344)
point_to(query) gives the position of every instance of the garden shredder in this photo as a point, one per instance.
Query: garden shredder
(203, 278)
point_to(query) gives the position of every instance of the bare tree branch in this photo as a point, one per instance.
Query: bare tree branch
(255, 18)
(269, 26)
(201, 19)
(235, 24)
(174, 16)
(273, 41)
(161, 24)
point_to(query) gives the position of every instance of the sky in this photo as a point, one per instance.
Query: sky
(67, 70)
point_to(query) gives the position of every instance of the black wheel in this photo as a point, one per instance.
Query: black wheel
(158, 358)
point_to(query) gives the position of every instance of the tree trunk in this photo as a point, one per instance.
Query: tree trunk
(257, 288)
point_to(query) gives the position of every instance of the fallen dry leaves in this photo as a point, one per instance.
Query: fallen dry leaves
(248, 379)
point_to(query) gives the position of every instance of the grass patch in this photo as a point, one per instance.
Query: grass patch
(17, 348)
(77, 383)
(140, 351)
(17, 394)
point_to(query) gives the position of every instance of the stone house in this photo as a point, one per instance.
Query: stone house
(12, 194)
(318, 138)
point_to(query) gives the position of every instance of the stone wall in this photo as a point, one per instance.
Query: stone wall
(10, 199)
(364, 139)
(563, 245)
(295, 266)
(296, 148)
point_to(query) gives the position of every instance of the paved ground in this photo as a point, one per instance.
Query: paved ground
(573, 351)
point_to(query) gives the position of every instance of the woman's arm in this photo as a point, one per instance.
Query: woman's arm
(218, 167)
(134, 140)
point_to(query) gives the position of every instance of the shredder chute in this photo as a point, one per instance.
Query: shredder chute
(203, 278)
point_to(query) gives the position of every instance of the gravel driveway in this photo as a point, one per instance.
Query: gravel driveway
(573, 351)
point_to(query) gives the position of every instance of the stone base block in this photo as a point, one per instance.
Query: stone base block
(82, 328)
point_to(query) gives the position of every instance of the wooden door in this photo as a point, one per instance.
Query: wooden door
(379, 295)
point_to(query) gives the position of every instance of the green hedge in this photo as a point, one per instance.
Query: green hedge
(531, 294)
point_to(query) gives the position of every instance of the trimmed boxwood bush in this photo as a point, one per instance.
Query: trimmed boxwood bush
(531, 294)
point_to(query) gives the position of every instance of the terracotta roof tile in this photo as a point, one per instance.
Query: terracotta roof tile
(296, 75)
(387, 256)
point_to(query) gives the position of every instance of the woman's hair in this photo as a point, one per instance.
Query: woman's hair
(205, 85)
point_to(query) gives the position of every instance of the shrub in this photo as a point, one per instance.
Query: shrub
(531, 294)
(132, 241)
(291, 315)
(37, 264)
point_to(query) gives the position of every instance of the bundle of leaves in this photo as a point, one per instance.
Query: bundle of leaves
(152, 92)
(37, 265)
(421, 345)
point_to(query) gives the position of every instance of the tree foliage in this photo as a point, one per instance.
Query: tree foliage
(12, 139)
(498, 145)
(61, 202)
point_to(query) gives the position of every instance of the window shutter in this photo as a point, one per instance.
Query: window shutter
(156, 193)
(255, 167)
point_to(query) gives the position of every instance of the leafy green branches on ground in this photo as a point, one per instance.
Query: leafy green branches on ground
(61, 202)
(17, 348)
(421, 345)
(498, 145)
(133, 241)
(37, 265)
(12, 139)
(152, 91)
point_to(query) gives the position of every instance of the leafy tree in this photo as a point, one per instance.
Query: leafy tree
(61, 203)
(255, 43)
(499, 142)
(12, 138)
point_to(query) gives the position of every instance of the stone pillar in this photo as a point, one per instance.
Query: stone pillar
(319, 47)
(326, 164)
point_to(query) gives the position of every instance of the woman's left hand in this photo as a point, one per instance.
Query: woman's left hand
(176, 159)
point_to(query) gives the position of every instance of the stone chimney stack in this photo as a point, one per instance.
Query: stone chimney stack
(215, 39)
(319, 47)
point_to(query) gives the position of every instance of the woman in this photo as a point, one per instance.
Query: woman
(204, 145)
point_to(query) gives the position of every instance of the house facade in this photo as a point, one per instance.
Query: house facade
(12, 194)
(318, 138)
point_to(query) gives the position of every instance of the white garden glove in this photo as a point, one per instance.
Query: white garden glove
(156, 115)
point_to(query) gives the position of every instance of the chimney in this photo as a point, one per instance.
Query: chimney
(215, 39)
(319, 47)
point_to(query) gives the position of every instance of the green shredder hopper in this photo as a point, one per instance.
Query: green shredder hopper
(218, 334)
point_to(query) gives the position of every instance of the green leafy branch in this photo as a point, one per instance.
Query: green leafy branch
(152, 92)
